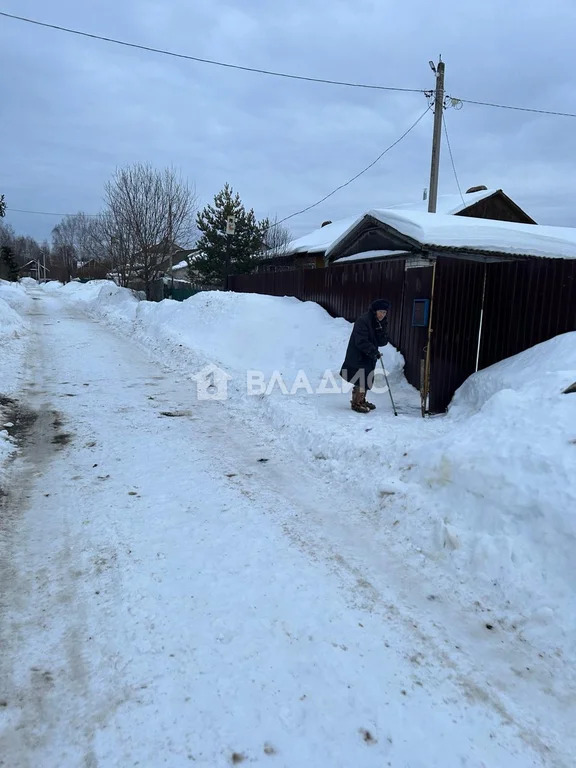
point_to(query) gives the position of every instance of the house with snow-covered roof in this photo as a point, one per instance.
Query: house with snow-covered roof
(465, 292)
(309, 251)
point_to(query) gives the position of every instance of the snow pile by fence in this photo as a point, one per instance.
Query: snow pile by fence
(237, 332)
(503, 480)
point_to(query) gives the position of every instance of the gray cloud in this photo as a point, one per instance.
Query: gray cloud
(73, 109)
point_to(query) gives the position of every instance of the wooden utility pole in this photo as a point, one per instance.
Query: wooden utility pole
(171, 248)
(437, 137)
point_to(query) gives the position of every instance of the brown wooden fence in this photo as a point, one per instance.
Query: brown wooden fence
(455, 323)
(344, 291)
(525, 302)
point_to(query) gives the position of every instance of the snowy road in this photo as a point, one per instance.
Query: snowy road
(171, 599)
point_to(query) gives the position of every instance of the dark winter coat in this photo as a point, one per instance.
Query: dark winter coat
(362, 354)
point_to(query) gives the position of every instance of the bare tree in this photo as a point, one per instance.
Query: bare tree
(25, 249)
(151, 210)
(119, 247)
(7, 234)
(76, 240)
(277, 239)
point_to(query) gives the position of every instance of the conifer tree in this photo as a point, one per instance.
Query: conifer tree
(222, 254)
(9, 263)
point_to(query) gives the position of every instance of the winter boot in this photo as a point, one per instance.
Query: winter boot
(357, 403)
(368, 405)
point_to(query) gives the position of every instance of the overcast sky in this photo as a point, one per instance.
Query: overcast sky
(74, 109)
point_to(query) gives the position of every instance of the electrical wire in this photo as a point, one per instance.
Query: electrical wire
(271, 73)
(297, 213)
(346, 183)
(452, 158)
(50, 213)
(208, 61)
(517, 109)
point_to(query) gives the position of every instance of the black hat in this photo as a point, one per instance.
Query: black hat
(379, 304)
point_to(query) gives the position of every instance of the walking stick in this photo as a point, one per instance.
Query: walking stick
(388, 385)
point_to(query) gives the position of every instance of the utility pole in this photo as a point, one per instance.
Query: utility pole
(171, 248)
(437, 138)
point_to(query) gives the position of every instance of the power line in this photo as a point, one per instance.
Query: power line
(50, 213)
(292, 215)
(208, 61)
(346, 183)
(517, 109)
(272, 73)
(452, 158)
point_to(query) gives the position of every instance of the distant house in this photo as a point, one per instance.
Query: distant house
(309, 251)
(180, 270)
(163, 257)
(92, 269)
(184, 269)
(34, 269)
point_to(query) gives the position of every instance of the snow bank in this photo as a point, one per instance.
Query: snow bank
(15, 295)
(13, 335)
(238, 332)
(503, 481)
(13, 331)
(246, 331)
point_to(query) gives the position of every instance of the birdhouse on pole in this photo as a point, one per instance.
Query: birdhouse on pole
(231, 225)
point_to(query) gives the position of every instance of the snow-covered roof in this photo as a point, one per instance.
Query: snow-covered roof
(448, 204)
(180, 265)
(321, 239)
(483, 235)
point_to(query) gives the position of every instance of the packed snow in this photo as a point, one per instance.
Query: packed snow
(458, 530)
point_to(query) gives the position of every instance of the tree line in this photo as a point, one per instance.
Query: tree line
(151, 216)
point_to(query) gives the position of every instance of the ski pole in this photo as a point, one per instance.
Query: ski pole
(388, 385)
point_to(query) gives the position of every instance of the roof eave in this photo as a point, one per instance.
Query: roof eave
(483, 253)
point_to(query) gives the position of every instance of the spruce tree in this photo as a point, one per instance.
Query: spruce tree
(9, 263)
(218, 251)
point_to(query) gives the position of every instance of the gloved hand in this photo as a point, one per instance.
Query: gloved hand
(378, 355)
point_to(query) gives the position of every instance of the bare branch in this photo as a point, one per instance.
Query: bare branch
(151, 211)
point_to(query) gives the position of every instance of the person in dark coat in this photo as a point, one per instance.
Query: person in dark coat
(370, 332)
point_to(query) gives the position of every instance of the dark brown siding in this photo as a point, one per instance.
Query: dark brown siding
(498, 208)
(344, 291)
(526, 302)
(455, 323)
(418, 285)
